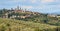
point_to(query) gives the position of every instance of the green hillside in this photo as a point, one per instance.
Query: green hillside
(19, 20)
(19, 25)
(30, 16)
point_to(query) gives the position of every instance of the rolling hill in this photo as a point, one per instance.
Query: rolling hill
(19, 25)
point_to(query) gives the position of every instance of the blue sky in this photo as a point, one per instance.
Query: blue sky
(44, 6)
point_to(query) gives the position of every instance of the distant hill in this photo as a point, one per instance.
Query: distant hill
(57, 13)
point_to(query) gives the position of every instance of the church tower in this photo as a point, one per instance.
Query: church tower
(18, 8)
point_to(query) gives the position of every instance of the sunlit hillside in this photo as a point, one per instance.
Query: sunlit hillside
(19, 25)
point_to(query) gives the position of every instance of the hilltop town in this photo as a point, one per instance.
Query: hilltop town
(25, 15)
(25, 20)
(18, 12)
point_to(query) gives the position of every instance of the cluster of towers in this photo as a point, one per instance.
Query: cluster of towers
(18, 8)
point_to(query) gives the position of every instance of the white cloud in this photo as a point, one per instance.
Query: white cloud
(27, 7)
(12, 2)
(17, 0)
(33, 1)
(47, 1)
(58, 6)
(21, 0)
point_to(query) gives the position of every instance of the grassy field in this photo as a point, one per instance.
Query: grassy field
(19, 25)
